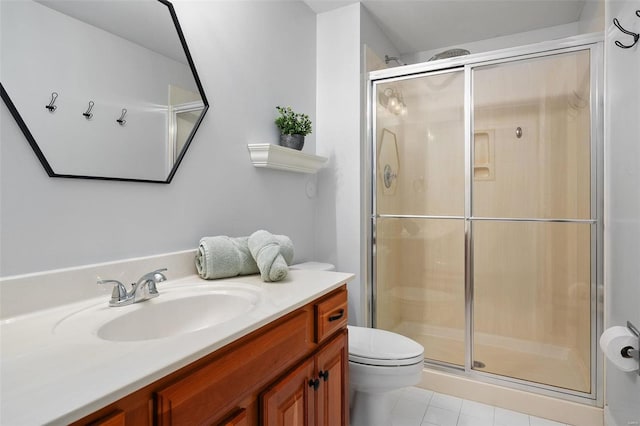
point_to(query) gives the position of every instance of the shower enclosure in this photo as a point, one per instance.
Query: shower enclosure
(485, 240)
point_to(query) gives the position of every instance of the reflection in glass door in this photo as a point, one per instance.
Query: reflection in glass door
(518, 301)
(420, 204)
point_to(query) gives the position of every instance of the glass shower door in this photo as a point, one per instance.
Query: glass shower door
(419, 221)
(533, 220)
(486, 239)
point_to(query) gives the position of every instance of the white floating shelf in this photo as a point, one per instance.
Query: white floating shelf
(278, 157)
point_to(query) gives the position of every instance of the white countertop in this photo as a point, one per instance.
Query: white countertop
(53, 376)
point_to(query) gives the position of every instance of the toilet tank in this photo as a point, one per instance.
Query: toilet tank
(316, 266)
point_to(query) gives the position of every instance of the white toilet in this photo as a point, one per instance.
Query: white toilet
(379, 363)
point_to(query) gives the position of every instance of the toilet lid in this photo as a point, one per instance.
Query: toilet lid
(372, 346)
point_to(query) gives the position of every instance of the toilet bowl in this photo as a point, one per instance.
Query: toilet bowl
(379, 363)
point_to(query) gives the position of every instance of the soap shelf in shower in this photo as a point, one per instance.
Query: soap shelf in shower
(280, 158)
(483, 165)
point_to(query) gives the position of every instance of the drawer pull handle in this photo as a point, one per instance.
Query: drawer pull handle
(337, 316)
(314, 383)
(324, 375)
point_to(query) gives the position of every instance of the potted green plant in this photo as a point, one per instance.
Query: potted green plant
(293, 127)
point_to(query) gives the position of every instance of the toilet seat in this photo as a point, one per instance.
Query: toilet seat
(382, 348)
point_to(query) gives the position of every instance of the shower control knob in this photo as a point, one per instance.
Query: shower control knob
(388, 176)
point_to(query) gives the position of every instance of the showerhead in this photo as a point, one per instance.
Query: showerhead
(388, 59)
(451, 53)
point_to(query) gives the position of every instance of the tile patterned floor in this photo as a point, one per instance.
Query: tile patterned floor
(420, 407)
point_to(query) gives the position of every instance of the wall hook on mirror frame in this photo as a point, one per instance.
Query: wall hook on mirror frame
(121, 121)
(51, 107)
(635, 36)
(88, 114)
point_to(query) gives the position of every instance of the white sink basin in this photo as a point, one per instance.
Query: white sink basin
(176, 311)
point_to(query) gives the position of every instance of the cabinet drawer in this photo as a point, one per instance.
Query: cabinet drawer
(117, 418)
(204, 396)
(331, 314)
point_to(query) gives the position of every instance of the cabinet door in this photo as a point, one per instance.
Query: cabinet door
(290, 402)
(333, 393)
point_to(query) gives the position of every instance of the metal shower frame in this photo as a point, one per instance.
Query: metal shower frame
(591, 42)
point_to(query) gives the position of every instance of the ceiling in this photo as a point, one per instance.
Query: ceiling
(421, 25)
(410, 25)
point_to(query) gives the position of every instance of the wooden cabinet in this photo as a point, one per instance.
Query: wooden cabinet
(262, 378)
(315, 393)
(220, 387)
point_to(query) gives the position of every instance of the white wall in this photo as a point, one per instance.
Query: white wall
(250, 56)
(341, 232)
(83, 63)
(622, 226)
(592, 17)
(373, 36)
(338, 221)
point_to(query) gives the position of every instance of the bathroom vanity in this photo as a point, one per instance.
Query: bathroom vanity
(286, 358)
(293, 368)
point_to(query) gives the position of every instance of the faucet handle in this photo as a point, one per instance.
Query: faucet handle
(119, 293)
(158, 277)
(151, 279)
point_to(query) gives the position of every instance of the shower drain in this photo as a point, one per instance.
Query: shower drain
(479, 364)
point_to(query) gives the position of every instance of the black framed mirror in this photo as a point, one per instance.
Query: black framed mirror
(101, 89)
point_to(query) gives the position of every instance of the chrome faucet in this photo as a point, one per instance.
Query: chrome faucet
(143, 289)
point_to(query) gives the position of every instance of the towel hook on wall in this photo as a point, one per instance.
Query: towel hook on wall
(121, 121)
(88, 114)
(51, 107)
(635, 36)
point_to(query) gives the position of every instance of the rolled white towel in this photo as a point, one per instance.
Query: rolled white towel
(268, 253)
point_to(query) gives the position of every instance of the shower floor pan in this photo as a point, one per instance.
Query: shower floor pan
(539, 363)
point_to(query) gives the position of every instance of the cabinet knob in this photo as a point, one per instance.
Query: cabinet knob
(324, 375)
(314, 383)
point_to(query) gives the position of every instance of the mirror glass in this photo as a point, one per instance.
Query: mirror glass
(102, 89)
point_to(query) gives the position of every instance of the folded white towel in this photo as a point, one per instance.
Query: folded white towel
(222, 257)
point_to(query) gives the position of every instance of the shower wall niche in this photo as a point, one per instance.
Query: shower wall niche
(486, 250)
